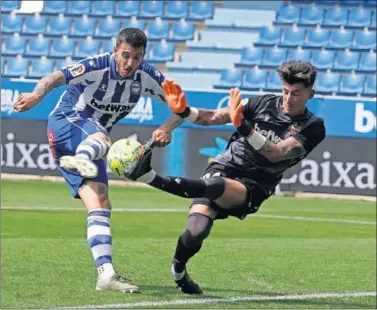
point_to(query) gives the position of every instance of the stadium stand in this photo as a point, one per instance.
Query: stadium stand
(220, 44)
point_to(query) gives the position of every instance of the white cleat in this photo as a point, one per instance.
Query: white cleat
(85, 167)
(116, 283)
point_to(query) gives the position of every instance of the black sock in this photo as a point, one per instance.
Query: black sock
(183, 254)
(211, 188)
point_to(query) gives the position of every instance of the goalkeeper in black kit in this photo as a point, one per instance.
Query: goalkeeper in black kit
(273, 133)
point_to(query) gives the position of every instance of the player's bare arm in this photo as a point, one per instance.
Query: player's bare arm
(213, 117)
(162, 135)
(27, 101)
(287, 149)
(176, 99)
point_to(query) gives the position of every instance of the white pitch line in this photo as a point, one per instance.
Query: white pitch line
(184, 210)
(199, 301)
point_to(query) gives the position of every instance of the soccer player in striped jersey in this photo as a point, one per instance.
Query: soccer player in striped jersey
(101, 90)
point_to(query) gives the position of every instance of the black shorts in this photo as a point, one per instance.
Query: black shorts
(254, 198)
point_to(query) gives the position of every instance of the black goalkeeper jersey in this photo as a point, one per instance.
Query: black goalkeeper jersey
(265, 116)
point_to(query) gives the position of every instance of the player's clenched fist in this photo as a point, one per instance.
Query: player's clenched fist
(174, 96)
(235, 107)
(177, 102)
(26, 101)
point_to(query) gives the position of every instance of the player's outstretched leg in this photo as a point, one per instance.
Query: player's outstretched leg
(140, 170)
(87, 151)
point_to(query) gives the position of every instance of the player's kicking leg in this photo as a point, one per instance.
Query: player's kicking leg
(92, 148)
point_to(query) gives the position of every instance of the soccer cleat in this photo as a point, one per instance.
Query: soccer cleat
(186, 284)
(142, 164)
(116, 283)
(85, 167)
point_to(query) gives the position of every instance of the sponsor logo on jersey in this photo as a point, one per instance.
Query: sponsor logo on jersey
(111, 107)
(269, 134)
(76, 70)
(293, 129)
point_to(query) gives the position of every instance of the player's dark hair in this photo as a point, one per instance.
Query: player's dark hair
(294, 71)
(133, 36)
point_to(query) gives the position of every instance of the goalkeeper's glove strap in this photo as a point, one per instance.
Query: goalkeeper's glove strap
(254, 138)
(189, 114)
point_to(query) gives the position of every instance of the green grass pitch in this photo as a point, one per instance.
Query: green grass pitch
(290, 247)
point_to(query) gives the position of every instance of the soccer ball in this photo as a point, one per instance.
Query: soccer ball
(121, 154)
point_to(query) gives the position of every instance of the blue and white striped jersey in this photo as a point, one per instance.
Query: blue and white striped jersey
(94, 90)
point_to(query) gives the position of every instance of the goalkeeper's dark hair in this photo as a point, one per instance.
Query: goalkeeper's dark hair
(295, 71)
(133, 36)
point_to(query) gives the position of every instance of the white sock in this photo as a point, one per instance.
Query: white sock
(105, 271)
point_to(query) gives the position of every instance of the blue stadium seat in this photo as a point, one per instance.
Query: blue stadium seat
(274, 82)
(127, 9)
(251, 56)
(134, 23)
(64, 47)
(183, 31)
(312, 15)
(336, 16)
(83, 26)
(374, 18)
(11, 23)
(86, 48)
(108, 46)
(269, 35)
(346, 60)
(367, 62)
(8, 6)
(359, 18)
(176, 9)
(202, 79)
(79, 7)
(158, 29)
(35, 24)
(54, 7)
(298, 54)
(352, 84)
(152, 9)
(58, 25)
(17, 67)
(365, 40)
(38, 47)
(230, 78)
(293, 37)
(204, 61)
(62, 63)
(340, 38)
(2, 64)
(372, 3)
(14, 45)
(201, 10)
(327, 83)
(274, 57)
(323, 59)
(40, 68)
(288, 14)
(317, 37)
(162, 52)
(255, 79)
(108, 27)
(103, 8)
(370, 85)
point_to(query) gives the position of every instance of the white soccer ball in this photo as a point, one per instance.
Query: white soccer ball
(121, 154)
